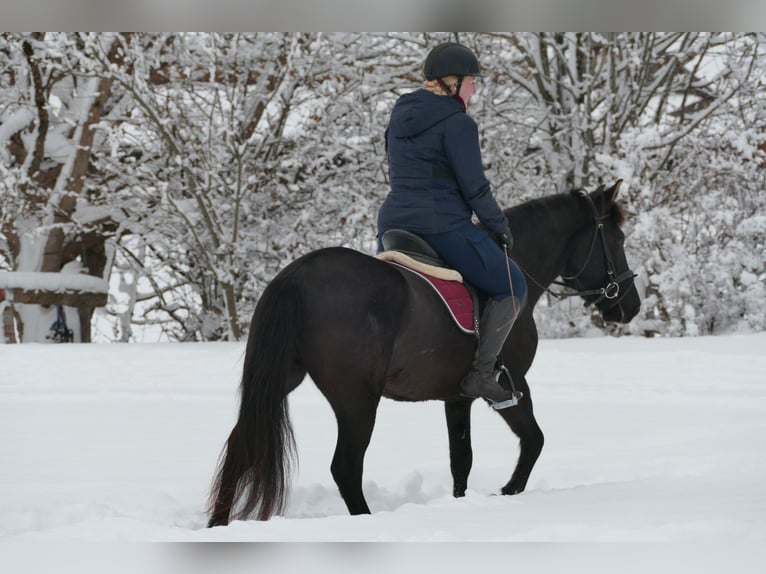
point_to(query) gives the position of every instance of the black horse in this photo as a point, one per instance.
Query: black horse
(365, 329)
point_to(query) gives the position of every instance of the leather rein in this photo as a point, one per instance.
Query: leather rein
(611, 291)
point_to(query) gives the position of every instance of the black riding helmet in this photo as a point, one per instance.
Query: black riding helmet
(451, 59)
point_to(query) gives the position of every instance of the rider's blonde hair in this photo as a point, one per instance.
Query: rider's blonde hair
(435, 87)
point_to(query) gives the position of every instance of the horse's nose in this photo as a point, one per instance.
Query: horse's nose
(629, 313)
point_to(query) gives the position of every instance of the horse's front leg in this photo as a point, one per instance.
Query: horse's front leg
(460, 452)
(522, 421)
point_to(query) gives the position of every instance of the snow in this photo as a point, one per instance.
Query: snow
(647, 440)
(40, 281)
(18, 120)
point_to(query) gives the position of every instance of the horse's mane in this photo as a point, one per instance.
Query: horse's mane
(531, 212)
(536, 213)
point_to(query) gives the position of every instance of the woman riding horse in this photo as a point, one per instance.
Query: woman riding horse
(437, 182)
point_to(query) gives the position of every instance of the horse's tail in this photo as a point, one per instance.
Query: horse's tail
(255, 463)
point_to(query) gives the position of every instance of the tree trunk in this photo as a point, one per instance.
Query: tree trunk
(69, 187)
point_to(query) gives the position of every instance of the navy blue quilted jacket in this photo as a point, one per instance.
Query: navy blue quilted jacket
(435, 168)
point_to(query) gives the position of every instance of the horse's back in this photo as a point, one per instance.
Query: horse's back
(341, 281)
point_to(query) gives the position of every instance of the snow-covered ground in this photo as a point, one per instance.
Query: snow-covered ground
(647, 440)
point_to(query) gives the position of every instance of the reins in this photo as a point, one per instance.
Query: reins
(612, 289)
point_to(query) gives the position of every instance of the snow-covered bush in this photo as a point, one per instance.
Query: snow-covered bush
(191, 167)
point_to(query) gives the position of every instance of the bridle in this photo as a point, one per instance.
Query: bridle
(611, 291)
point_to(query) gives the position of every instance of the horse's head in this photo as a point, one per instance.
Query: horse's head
(597, 267)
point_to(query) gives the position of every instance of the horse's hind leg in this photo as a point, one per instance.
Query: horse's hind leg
(355, 414)
(460, 451)
(522, 421)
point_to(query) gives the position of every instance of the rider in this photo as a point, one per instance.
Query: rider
(437, 182)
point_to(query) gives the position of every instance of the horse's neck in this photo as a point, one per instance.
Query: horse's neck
(543, 229)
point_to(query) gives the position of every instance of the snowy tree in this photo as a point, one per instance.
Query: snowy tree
(51, 109)
(189, 168)
(255, 148)
(677, 116)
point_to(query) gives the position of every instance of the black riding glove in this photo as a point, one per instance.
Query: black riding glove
(504, 240)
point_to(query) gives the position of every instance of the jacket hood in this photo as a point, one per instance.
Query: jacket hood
(420, 110)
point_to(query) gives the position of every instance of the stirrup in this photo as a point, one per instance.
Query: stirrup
(516, 395)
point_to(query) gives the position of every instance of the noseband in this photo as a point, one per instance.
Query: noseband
(611, 291)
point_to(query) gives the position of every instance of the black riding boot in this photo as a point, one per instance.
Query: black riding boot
(495, 324)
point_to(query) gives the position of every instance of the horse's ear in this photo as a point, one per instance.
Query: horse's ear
(611, 193)
(604, 199)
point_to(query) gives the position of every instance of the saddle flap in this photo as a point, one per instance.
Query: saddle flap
(415, 254)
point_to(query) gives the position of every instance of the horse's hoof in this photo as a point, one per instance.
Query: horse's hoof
(458, 492)
(511, 490)
(217, 521)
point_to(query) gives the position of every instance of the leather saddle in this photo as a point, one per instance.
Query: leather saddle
(412, 245)
(397, 241)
